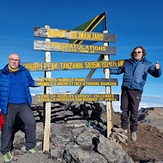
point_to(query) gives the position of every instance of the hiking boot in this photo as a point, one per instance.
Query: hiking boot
(120, 130)
(7, 157)
(133, 136)
(33, 150)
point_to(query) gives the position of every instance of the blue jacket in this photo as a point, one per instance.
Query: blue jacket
(5, 86)
(135, 73)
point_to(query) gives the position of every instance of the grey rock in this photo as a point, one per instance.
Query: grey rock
(72, 140)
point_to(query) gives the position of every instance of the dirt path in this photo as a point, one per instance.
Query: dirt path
(149, 145)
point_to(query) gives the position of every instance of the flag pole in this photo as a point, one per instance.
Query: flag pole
(106, 21)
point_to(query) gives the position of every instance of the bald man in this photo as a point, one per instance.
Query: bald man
(15, 102)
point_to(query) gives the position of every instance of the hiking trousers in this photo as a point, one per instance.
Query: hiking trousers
(24, 113)
(130, 100)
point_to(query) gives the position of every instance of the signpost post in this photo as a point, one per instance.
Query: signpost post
(47, 108)
(108, 91)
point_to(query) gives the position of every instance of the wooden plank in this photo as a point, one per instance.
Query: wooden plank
(72, 65)
(73, 48)
(73, 35)
(76, 97)
(75, 82)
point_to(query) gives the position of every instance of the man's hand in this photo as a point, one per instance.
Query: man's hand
(157, 65)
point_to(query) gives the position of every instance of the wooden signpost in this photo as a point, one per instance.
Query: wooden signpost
(48, 66)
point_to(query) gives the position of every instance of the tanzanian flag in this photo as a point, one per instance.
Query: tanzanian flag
(97, 24)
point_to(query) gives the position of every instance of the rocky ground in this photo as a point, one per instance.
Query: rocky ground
(71, 137)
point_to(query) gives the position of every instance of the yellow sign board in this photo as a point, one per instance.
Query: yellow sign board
(78, 97)
(75, 82)
(73, 48)
(73, 35)
(46, 66)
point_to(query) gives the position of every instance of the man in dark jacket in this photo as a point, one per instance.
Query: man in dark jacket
(135, 71)
(15, 102)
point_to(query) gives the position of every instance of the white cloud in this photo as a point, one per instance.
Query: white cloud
(146, 102)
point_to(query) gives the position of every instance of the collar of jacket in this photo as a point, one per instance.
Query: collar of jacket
(6, 71)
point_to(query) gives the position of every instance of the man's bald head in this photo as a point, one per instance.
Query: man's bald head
(14, 56)
(14, 61)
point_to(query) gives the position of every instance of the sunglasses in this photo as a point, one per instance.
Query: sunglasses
(138, 52)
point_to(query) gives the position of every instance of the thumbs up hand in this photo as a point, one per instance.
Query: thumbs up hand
(157, 65)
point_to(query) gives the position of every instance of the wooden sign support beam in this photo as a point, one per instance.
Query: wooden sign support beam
(108, 91)
(47, 109)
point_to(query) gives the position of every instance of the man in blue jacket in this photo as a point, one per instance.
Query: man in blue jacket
(15, 102)
(135, 71)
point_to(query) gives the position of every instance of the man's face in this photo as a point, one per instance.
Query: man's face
(14, 61)
(138, 54)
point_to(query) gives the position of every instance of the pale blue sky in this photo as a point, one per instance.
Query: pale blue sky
(133, 22)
